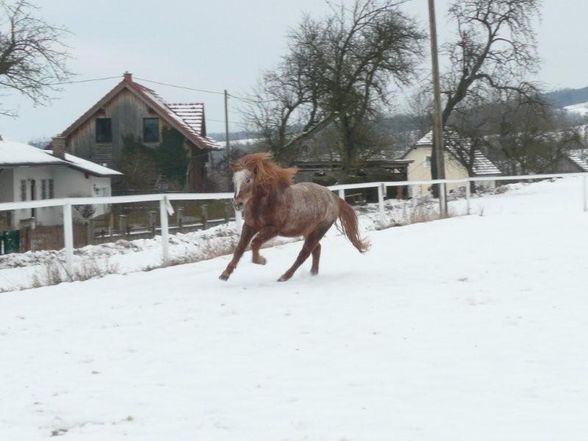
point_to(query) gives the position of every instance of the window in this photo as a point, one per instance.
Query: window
(43, 188)
(150, 129)
(23, 189)
(51, 188)
(103, 130)
(428, 162)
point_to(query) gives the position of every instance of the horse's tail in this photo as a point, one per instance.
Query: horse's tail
(350, 226)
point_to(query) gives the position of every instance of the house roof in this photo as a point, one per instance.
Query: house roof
(187, 118)
(580, 158)
(482, 165)
(15, 154)
(87, 166)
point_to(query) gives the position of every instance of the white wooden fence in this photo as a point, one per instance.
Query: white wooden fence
(165, 207)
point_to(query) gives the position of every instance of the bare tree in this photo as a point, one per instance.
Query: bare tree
(494, 50)
(532, 139)
(338, 70)
(32, 55)
(520, 135)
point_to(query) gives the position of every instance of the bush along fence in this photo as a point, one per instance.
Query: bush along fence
(166, 209)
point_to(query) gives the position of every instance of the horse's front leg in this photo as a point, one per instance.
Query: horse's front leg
(246, 234)
(265, 234)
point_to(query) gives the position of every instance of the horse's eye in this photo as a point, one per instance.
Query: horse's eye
(248, 180)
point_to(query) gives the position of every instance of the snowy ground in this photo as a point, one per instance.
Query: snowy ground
(42, 268)
(470, 328)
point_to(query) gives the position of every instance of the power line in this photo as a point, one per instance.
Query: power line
(83, 81)
(216, 92)
(177, 86)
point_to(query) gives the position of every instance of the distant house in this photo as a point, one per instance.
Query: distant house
(131, 112)
(575, 161)
(28, 173)
(420, 167)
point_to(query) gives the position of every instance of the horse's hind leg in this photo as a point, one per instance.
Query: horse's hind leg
(316, 257)
(263, 236)
(309, 245)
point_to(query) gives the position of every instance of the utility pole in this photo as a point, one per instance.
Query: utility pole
(437, 153)
(228, 143)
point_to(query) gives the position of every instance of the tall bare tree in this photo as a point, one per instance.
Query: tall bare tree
(32, 54)
(494, 51)
(338, 69)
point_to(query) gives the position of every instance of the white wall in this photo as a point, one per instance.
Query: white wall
(68, 182)
(420, 170)
(45, 216)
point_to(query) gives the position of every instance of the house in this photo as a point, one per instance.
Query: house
(28, 173)
(132, 113)
(419, 168)
(574, 161)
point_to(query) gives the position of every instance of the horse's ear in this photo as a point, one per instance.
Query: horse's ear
(235, 166)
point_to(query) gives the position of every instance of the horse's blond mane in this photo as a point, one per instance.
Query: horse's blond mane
(267, 173)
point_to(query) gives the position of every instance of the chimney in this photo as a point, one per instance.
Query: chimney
(58, 143)
(128, 77)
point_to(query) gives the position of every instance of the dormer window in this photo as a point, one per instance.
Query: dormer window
(103, 130)
(150, 129)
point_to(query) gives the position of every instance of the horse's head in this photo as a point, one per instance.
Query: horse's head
(243, 183)
(257, 173)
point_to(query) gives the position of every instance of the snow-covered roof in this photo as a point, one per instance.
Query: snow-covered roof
(580, 158)
(88, 166)
(482, 165)
(14, 154)
(191, 113)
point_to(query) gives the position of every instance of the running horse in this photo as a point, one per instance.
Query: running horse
(273, 205)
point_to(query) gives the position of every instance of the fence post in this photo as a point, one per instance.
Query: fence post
(163, 217)
(151, 224)
(204, 211)
(468, 195)
(68, 237)
(123, 225)
(585, 192)
(238, 218)
(180, 218)
(381, 193)
(342, 194)
(442, 201)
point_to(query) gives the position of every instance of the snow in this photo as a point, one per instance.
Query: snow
(580, 109)
(88, 166)
(472, 327)
(15, 153)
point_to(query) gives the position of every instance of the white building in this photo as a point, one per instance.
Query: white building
(28, 173)
(420, 167)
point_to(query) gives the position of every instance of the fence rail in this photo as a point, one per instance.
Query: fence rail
(165, 206)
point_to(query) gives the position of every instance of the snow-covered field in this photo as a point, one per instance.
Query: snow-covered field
(470, 328)
(580, 109)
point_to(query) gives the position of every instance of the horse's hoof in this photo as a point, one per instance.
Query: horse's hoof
(260, 261)
(314, 272)
(224, 277)
(284, 278)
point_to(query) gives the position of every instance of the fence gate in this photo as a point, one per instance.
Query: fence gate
(10, 242)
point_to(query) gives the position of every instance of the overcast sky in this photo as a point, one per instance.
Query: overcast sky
(225, 44)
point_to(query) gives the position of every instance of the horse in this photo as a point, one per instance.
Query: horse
(274, 206)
